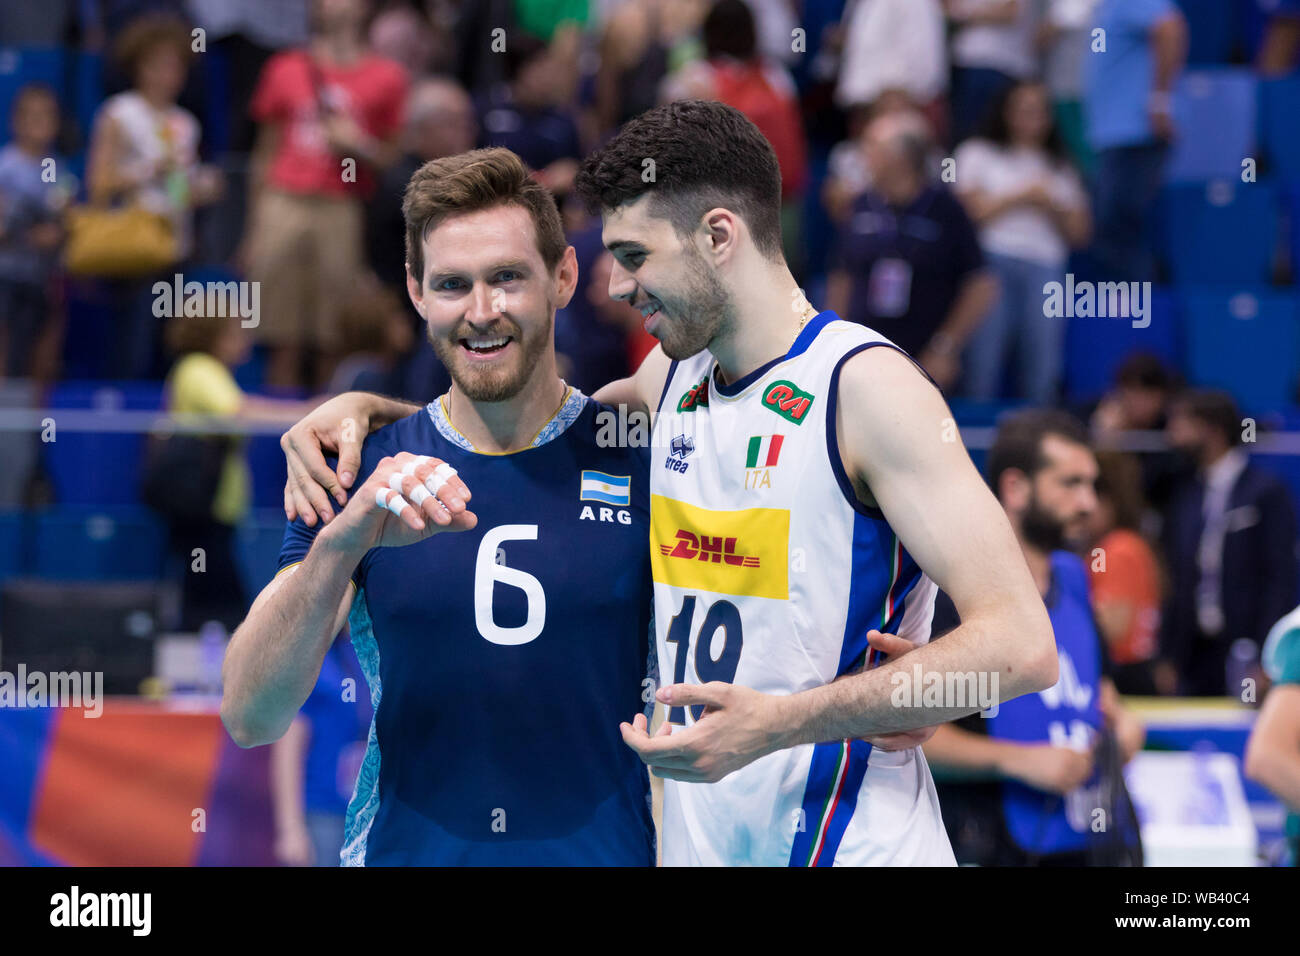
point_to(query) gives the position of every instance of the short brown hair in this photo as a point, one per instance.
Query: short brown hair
(146, 34)
(1018, 443)
(195, 333)
(468, 182)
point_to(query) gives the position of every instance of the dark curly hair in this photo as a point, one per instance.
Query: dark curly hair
(704, 154)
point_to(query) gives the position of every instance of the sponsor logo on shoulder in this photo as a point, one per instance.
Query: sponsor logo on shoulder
(788, 400)
(694, 397)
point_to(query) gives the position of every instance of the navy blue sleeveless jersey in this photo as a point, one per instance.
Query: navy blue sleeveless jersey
(502, 660)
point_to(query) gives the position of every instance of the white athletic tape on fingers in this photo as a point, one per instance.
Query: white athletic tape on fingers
(409, 468)
(391, 500)
(441, 475)
(395, 481)
(419, 495)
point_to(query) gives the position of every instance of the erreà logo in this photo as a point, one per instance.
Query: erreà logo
(694, 397)
(788, 401)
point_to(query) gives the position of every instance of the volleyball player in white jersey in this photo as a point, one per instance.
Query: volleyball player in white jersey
(809, 489)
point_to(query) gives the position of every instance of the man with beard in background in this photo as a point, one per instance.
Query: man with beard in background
(1019, 784)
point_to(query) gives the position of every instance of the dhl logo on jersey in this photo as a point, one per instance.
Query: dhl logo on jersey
(728, 552)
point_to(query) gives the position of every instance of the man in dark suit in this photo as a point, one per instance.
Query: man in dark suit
(1229, 538)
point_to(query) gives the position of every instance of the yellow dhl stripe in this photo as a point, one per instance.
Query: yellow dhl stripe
(728, 552)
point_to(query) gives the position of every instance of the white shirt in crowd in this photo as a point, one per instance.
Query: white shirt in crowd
(892, 45)
(1009, 48)
(1023, 232)
(148, 136)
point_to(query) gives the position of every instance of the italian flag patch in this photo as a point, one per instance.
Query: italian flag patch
(764, 450)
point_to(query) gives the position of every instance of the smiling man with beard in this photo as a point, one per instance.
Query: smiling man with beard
(500, 659)
(809, 493)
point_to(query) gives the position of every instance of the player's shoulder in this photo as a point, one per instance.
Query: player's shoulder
(1281, 654)
(412, 433)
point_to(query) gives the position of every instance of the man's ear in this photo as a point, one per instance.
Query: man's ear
(721, 230)
(1013, 490)
(566, 277)
(414, 291)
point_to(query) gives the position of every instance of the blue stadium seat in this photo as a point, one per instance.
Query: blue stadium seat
(1245, 342)
(1214, 27)
(1095, 348)
(1223, 232)
(13, 544)
(88, 93)
(1214, 112)
(87, 544)
(1279, 126)
(98, 468)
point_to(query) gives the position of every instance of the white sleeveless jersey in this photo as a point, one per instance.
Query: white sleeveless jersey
(768, 572)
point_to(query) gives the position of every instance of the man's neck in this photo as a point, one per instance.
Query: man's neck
(511, 425)
(902, 192)
(338, 49)
(770, 311)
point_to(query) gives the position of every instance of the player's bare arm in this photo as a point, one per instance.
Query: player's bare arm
(640, 391)
(1042, 766)
(900, 447)
(1273, 752)
(274, 657)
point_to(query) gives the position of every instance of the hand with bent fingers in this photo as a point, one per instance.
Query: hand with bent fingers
(738, 726)
(895, 647)
(338, 427)
(408, 498)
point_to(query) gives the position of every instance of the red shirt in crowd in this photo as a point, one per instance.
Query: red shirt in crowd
(295, 91)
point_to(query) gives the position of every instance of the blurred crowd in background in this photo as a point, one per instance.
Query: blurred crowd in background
(943, 161)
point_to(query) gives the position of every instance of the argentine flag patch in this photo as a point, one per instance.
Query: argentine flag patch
(607, 489)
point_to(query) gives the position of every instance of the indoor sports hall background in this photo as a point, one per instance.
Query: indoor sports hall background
(1126, 237)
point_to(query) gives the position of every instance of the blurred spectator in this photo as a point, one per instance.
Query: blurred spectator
(30, 229)
(201, 385)
(247, 33)
(376, 335)
(993, 46)
(1230, 543)
(848, 175)
(1125, 575)
(1037, 768)
(402, 33)
(734, 73)
(1139, 401)
(529, 115)
(1029, 204)
(440, 122)
(639, 43)
(314, 766)
(1279, 51)
(908, 263)
(1273, 751)
(893, 45)
(1128, 114)
(330, 115)
(145, 151)
(1064, 37)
